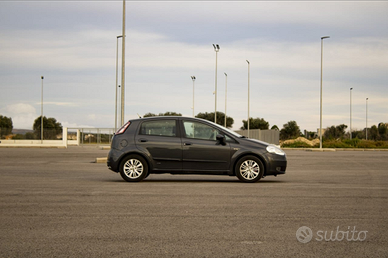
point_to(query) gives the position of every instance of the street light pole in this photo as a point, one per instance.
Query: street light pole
(351, 89)
(123, 68)
(119, 102)
(320, 124)
(248, 94)
(41, 113)
(117, 64)
(226, 91)
(216, 48)
(193, 78)
(366, 120)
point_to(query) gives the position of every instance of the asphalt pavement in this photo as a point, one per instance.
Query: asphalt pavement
(59, 203)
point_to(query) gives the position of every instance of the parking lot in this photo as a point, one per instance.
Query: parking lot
(59, 203)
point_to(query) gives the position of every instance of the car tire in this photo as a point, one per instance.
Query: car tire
(133, 168)
(249, 169)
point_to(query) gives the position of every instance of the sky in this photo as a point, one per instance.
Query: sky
(73, 45)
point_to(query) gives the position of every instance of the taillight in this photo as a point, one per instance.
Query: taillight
(123, 128)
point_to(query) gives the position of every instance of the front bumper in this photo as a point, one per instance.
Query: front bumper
(276, 166)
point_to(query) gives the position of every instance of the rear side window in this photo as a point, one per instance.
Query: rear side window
(158, 128)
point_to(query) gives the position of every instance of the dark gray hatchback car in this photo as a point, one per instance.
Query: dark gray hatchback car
(183, 145)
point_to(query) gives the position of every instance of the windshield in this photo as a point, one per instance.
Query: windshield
(228, 130)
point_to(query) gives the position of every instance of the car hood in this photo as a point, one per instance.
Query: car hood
(257, 141)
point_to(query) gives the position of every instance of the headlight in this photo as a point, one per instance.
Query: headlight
(275, 150)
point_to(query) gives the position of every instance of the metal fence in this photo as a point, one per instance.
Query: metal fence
(82, 136)
(270, 136)
(104, 135)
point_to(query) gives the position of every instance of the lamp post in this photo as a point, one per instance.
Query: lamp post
(193, 78)
(117, 64)
(248, 94)
(320, 124)
(123, 68)
(366, 120)
(216, 48)
(351, 89)
(119, 101)
(41, 113)
(226, 91)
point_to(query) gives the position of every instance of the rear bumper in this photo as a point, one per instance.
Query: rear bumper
(114, 160)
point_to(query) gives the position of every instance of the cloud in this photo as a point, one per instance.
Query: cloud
(69, 51)
(336, 13)
(75, 125)
(168, 42)
(65, 104)
(23, 115)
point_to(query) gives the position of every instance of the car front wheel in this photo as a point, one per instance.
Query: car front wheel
(249, 169)
(133, 168)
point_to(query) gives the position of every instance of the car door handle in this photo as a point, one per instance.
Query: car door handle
(187, 143)
(143, 140)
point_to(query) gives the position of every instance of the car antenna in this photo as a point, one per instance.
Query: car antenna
(138, 115)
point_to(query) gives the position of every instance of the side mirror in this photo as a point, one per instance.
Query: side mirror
(221, 139)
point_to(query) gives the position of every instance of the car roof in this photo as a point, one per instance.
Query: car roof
(166, 117)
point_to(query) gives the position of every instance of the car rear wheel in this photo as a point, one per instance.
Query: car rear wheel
(133, 168)
(249, 169)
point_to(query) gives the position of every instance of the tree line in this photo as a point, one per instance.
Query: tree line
(51, 128)
(375, 133)
(290, 130)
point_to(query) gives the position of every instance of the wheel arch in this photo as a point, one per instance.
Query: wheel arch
(242, 155)
(149, 163)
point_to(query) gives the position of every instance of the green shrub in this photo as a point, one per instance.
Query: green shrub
(296, 145)
(30, 136)
(353, 143)
(335, 144)
(18, 137)
(364, 144)
(381, 144)
(331, 143)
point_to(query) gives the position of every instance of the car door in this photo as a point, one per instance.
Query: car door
(160, 138)
(201, 151)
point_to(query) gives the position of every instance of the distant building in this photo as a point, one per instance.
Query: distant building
(323, 131)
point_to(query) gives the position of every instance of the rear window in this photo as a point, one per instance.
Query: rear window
(159, 128)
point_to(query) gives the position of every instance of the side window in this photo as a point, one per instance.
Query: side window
(158, 128)
(228, 139)
(201, 131)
